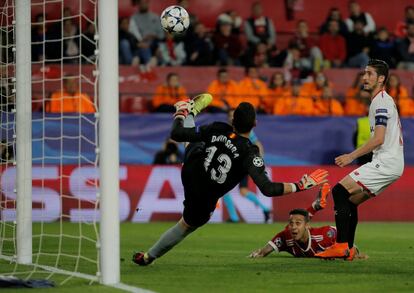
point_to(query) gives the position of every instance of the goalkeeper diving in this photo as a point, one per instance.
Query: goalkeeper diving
(217, 158)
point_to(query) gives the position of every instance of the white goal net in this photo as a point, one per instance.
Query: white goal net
(64, 145)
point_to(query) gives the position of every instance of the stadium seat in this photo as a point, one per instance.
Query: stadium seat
(133, 104)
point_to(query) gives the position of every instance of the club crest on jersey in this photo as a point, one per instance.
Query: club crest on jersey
(278, 242)
(331, 233)
(258, 161)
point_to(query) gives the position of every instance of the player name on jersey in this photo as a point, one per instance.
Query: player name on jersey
(227, 142)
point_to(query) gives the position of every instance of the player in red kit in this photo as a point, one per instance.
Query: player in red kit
(298, 238)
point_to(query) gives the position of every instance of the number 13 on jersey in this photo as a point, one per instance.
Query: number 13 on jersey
(224, 167)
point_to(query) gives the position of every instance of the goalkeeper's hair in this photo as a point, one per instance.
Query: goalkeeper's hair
(301, 212)
(244, 117)
(380, 66)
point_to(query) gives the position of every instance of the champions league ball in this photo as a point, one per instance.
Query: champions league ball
(175, 19)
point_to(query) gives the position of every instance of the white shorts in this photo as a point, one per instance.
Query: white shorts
(373, 177)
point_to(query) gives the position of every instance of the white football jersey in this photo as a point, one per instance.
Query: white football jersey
(383, 111)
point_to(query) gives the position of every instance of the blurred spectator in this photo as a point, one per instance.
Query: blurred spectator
(145, 26)
(278, 92)
(356, 98)
(88, 45)
(333, 46)
(199, 48)
(227, 45)
(62, 26)
(70, 99)
(131, 51)
(357, 46)
(260, 57)
(193, 18)
(233, 18)
(355, 14)
(295, 68)
(7, 93)
(168, 94)
(169, 154)
(172, 51)
(259, 28)
(401, 29)
(334, 14)
(71, 50)
(6, 151)
(251, 88)
(310, 54)
(400, 94)
(310, 100)
(301, 103)
(224, 91)
(38, 37)
(395, 89)
(405, 48)
(383, 48)
(67, 12)
(326, 104)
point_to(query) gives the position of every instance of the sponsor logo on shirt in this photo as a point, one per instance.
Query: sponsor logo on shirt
(381, 111)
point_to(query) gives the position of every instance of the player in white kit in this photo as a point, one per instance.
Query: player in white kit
(372, 178)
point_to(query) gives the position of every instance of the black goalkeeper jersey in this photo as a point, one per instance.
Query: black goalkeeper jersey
(225, 159)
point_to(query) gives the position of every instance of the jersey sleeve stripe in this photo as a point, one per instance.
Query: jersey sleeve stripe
(271, 243)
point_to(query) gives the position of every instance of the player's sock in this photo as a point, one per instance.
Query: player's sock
(231, 209)
(353, 222)
(311, 211)
(342, 211)
(253, 198)
(169, 239)
(189, 121)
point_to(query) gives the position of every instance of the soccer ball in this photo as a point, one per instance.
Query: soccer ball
(175, 19)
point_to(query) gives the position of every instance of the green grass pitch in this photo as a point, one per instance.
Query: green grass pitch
(213, 259)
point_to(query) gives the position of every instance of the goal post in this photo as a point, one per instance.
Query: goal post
(23, 132)
(109, 141)
(59, 188)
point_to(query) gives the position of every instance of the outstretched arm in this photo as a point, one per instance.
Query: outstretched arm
(262, 252)
(277, 243)
(256, 170)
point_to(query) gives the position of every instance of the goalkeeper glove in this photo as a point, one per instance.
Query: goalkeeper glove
(320, 202)
(181, 110)
(317, 177)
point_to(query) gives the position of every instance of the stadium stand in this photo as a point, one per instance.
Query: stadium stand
(134, 83)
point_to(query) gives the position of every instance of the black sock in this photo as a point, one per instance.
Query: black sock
(342, 212)
(353, 222)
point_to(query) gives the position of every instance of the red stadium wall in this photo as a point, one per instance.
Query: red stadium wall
(153, 193)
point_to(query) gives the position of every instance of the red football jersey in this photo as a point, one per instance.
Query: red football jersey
(319, 239)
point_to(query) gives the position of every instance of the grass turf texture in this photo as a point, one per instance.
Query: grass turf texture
(213, 259)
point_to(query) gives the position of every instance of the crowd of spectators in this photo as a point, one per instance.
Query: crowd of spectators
(298, 85)
(276, 96)
(341, 42)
